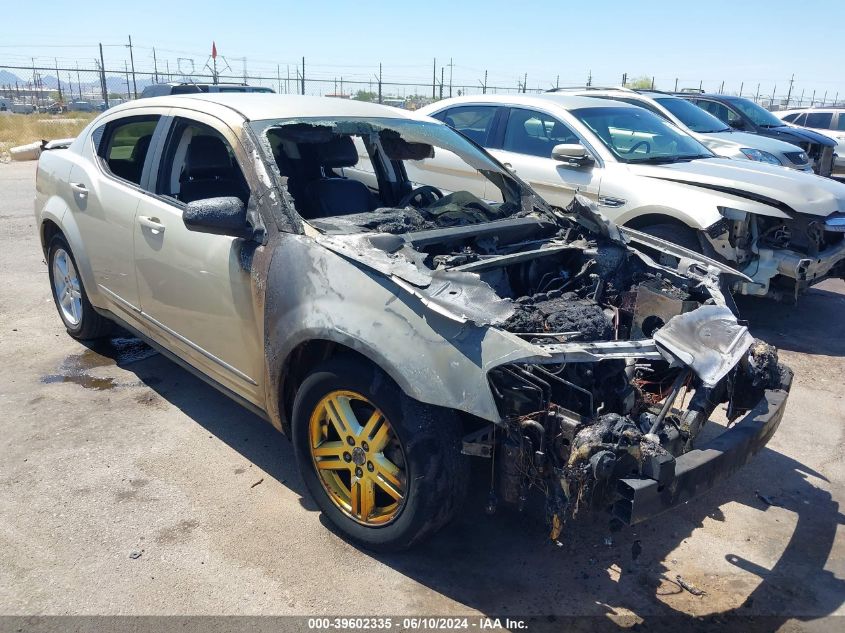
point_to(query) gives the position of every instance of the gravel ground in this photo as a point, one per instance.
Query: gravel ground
(127, 487)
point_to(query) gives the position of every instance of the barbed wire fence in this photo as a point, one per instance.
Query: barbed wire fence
(85, 86)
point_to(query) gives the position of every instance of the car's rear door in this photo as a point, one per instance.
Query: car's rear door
(527, 146)
(107, 188)
(195, 288)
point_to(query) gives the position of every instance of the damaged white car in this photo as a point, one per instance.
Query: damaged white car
(785, 229)
(391, 331)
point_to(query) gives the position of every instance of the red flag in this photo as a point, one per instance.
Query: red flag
(213, 50)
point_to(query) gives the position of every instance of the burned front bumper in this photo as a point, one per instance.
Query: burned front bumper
(699, 470)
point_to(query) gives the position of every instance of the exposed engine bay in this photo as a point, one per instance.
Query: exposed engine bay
(618, 404)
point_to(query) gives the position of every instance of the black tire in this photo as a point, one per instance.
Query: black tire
(675, 233)
(90, 325)
(436, 473)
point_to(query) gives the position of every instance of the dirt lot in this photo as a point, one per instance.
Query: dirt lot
(115, 452)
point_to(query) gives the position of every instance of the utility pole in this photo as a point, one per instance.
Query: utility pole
(34, 80)
(434, 79)
(126, 70)
(450, 77)
(379, 82)
(722, 87)
(624, 79)
(589, 77)
(155, 66)
(741, 86)
(442, 71)
(484, 85)
(652, 82)
(59, 79)
(132, 60)
(824, 98)
(757, 94)
(303, 75)
(524, 83)
(772, 102)
(279, 77)
(801, 101)
(676, 84)
(813, 99)
(557, 82)
(78, 82)
(69, 88)
(789, 92)
(103, 78)
(245, 81)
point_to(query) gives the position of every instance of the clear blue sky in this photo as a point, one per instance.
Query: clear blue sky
(713, 41)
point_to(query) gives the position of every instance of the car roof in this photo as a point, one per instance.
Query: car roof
(257, 106)
(565, 101)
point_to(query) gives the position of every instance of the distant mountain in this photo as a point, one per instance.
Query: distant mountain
(8, 78)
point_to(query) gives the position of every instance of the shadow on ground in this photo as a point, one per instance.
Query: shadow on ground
(809, 327)
(504, 565)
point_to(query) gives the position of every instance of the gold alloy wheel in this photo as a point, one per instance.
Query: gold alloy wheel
(358, 457)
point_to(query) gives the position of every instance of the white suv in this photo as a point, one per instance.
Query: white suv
(781, 227)
(828, 121)
(719, 137)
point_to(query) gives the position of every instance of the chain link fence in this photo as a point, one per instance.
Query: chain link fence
(65, 97)
(56, 89)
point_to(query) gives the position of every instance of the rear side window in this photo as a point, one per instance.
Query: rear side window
(840, 126)
(124, 144)
(472, 121)
(821, 120)
(789, 118)
(184, 90)
(198, 164)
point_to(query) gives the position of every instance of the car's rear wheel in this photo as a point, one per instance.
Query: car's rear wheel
(78, 315)
(384, 468)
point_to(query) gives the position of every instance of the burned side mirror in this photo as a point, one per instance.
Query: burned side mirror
(225, 215)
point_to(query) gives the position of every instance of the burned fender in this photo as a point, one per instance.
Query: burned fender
(315, 294)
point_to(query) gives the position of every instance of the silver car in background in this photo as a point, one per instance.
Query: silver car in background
(717, 136)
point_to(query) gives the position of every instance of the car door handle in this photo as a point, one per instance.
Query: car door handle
(79, 188)
(151, 223)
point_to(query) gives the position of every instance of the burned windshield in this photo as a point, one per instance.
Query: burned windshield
(373, 174)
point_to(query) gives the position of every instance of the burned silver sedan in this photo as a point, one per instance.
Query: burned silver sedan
(276, 247)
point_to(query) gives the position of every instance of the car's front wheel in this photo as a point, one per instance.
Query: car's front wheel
(384, 468)
(78, 315)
